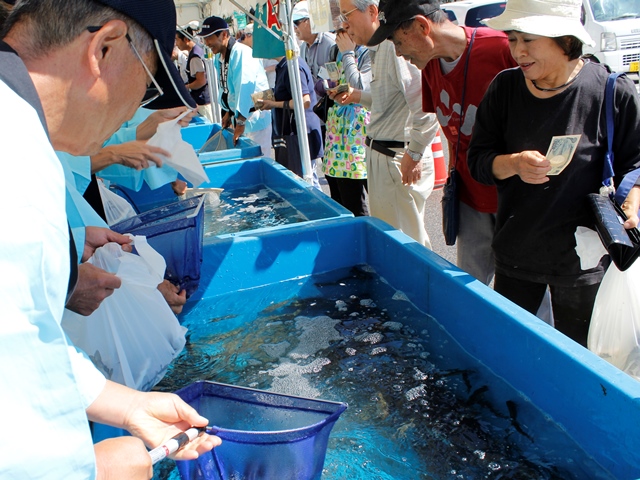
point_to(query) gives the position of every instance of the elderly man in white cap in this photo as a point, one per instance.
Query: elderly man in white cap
(553, 101)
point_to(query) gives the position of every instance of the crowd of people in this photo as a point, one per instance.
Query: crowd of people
(72, 83)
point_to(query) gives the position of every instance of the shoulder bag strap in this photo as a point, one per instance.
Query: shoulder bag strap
(630, 178)
(464, 91)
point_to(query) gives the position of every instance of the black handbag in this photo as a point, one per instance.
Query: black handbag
(286, 146)
(623, 245)
(321, 108)
(450, 200)
(450, 208)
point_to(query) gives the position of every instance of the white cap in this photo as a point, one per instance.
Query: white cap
(547, 18)
(300, 11)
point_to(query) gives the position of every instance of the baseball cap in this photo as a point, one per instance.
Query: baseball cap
(212, 25)
(158, 18)
(391, 13)
(300, 11)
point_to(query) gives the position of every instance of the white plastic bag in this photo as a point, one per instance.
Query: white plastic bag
(614, 333)
(183, 157)
(116, 208)
(133, 336)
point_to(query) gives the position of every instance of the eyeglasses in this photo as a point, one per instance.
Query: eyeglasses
(344, 17)
(297, 23)
(153, 92)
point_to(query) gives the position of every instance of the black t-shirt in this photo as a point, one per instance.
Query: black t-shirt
(534, 238)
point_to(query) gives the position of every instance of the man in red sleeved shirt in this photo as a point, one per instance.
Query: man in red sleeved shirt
(423, 34)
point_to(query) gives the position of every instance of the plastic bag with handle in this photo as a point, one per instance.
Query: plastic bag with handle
(133, 336)
(614, 333)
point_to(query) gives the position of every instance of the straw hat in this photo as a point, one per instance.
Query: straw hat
(548, 18)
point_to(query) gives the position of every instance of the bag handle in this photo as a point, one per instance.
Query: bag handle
(464, 91)
(630, 178)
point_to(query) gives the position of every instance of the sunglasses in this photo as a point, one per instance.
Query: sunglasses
(154, 91)
(298, 22)
(344, 17)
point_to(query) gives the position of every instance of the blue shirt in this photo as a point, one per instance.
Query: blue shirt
(45, 384)
(282, 92)
(245, 76)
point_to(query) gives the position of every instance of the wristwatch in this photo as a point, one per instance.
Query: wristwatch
(240, 122)
(415, 156)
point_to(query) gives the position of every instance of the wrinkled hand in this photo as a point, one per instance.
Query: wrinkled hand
(94, 285)
(96, 237)
(148, 128)
(531, 167)
(630, 207)
(136, 154)
(155, 417)
(123, 457)
(174, 297)
(179, 187)
(345, 98)
(345, 42)
(410, 169)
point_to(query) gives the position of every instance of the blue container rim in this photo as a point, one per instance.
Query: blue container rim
(334, 410)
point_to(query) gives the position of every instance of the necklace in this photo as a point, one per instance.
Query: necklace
(555, 89)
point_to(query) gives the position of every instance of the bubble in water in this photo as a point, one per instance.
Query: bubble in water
(480, 454)
(350, 351)
(378, 350)
(371, 338)
(416, 392)
(367, 302)
(341, 305)
(317, 334)
(393, 326)
(418, 374)
(493, 466)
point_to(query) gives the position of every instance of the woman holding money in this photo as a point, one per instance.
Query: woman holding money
(344, 163)
(540, 137)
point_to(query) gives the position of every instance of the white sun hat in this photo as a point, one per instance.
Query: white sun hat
(547, 18)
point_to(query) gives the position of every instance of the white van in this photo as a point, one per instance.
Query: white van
(614, 26)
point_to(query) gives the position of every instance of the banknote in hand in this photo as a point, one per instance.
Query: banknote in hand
(332, 69)
(561, 152)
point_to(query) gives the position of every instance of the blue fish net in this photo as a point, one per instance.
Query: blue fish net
(264, 434)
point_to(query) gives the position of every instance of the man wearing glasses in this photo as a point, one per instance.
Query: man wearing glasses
(68, 80)
(400, 170)
(316, 47)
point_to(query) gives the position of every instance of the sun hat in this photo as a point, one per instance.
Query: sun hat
(158, 18)
(300, 11)
(212, 25)
(392, 13)
(547, 18)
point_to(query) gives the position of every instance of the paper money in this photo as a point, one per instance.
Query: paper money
(561, 152)
(343, 87)
(259, 97)
(332, 69)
